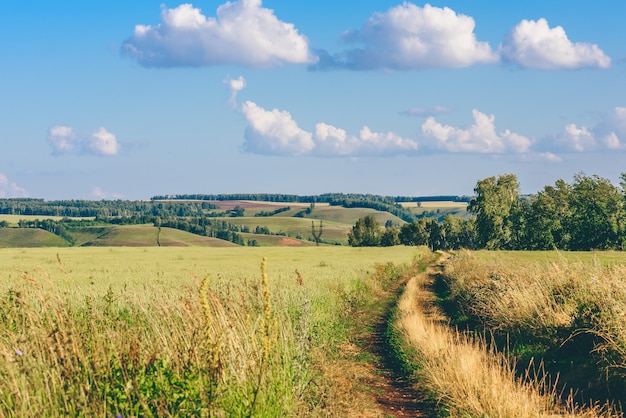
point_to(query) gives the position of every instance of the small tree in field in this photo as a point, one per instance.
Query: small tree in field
(317, 235)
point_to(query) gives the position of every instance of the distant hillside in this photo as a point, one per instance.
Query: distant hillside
(108, 236)
(29, 237)
(206, 223)
(146, 236)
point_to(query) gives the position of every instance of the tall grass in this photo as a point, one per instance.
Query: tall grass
(571, 313)
(78, 340)
(463, 373)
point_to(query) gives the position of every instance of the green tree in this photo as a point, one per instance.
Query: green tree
(389, 237)
(597, 213)
(495, 203)
(365, 233)
(458, 232)
(414, 233)
(436, 235)
(548, 218)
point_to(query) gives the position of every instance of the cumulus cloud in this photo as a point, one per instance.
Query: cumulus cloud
(409, 37)
(573, 138)
(481, 137)
(102, 142)
(612, 131)
(332, 141)
(275, 132)
(243, 33)
(235, 85)
(608, 134)
(64, 141)
(9, 189)
(533, 44)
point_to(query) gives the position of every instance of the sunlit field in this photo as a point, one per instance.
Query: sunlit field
(182, 331)
(559, 312)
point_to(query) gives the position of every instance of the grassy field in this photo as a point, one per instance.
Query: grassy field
(437, 209)
(337, 221)
(184, 331)
(562, 313)
(29, 238)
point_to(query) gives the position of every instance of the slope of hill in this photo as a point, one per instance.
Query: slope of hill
(145, 236)
(29, 237)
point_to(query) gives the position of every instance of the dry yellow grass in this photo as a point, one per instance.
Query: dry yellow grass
(461, 373)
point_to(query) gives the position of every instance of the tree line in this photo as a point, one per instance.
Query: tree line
(101, 208)
(587, 214)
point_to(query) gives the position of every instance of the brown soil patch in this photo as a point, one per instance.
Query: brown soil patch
(289, 242)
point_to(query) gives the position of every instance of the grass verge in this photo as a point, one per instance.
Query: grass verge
(465, 374)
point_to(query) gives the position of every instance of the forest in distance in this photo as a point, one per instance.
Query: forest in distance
(588, 213)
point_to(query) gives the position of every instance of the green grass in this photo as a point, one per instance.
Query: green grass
(29, 237)
(337, 223)
(108, 236)
(145, 236)
(138, 332)
(349, 216)
(275, 240)
(332, 231)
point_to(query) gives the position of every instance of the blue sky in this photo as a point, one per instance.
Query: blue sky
(128, 100)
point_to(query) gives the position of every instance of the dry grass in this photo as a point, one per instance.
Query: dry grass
(547, 302)
(466, 377)
(133, 332)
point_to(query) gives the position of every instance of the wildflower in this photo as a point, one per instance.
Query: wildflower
(18, 352)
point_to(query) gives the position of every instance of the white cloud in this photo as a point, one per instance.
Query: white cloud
(411, 37)
(274, 132)
(576, 139)
(235, 85)
(9, 189)
(481, 137)
(612, 131)
(64, 141)
(102, 142)
(608, 134)
(277, 133)
(332, 141)
(243, 33)
(533, 44)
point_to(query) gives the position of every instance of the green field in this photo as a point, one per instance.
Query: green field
(285, 228)
(27, 237)
(337, 223)
(176, 266)
(95, 331)
(437, 209)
